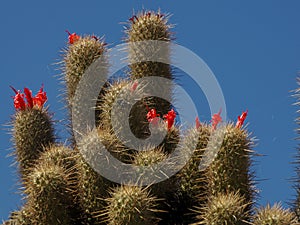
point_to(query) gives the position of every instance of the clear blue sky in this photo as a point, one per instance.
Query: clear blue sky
(253, 48)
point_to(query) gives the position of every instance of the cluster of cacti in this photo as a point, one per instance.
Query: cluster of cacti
(61, 187)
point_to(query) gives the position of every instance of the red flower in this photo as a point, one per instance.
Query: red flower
(72, 37)
(152, 116)
(170, 118)
(19, 99)
(28, 96)
(241, 119)
(216, 119)
(40, 98)
(198, 124)
(134, 86)
(19, 102)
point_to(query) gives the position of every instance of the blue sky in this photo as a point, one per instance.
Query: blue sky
(253, 48)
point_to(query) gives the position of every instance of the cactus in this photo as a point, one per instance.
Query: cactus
(32, 129)
(230, 171)
(79, 55)
(192, 183)
(91, 192)
(229, 208)
(190, 176)
(60, 155)
(274, 215)
(20, 217)
(49, 194)
(148, 167)
(150, 26)
(130, 205)
(62, 183)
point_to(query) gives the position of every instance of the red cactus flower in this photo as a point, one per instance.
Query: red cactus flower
(170, 118)
(40, 98)
(152, 116)
(134, 86)
(28, 96)
(19, 102)
(38, 101)
(198, 124)
(216, 119)
(72, 37)
(241, 119)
